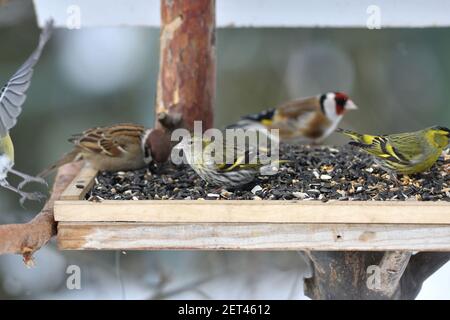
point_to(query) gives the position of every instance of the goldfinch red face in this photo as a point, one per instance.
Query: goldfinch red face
(335, 104)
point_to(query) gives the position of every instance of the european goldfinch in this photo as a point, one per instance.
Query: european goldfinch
(119, 147)
(12, 97)
(308, 120)
(245, 166)
(403, 153)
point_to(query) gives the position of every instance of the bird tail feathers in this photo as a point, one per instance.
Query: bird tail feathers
(352, 134)
(67, 158)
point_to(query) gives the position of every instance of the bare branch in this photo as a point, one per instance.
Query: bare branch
(26, 238)
(170, 122)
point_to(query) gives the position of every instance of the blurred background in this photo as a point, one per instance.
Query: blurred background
(100, 76)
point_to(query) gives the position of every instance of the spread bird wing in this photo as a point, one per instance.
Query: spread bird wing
(110, 141)
(13, 94)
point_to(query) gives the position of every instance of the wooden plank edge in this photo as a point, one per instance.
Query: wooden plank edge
(269, 211)
(257, 236)
(81, 185)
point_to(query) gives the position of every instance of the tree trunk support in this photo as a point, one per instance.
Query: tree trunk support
(370, 275)
(187, 73)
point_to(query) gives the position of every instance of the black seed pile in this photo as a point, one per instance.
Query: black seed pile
(313, 173)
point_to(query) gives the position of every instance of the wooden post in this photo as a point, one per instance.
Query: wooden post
(186, 82)
(345, 275)
(341, 275)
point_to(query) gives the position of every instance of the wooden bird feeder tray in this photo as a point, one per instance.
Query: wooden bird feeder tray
(247, 224)
(186, 85)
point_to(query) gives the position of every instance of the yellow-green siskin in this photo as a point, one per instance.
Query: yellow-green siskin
(403, 153)
(12, 97)
(245, 166)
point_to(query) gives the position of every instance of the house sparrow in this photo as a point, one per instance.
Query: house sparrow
(12, 97)
(119, 147)
(308, 120)
(403, 153)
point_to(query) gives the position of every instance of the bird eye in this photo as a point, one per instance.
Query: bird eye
(341, 101)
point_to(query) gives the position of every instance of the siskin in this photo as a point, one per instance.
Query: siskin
(12, 97)
(245, 165)
(308, 120)
(403, 153)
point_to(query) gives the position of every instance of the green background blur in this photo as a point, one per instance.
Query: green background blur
(398, 77)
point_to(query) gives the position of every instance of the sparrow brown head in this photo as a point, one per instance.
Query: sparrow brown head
(156, 145)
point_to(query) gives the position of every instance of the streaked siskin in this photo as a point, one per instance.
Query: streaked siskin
(403, 153)
(245, 166)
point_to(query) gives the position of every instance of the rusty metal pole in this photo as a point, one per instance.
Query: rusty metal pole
(187, 71)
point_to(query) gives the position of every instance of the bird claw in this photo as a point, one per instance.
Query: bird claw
(33, 196)
(32, 179)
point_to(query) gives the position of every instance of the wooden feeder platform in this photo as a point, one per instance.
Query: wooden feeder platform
(247, 224)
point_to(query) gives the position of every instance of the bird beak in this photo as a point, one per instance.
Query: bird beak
(350, 105)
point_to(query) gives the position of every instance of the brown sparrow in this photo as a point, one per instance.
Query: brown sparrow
(309, 120)
(119, 147)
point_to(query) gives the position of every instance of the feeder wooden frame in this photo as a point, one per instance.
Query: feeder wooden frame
(247, 224)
